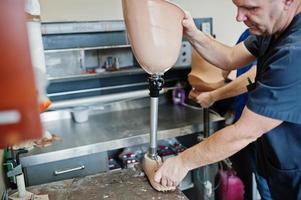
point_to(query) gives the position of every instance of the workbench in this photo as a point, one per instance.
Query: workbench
(114, 126)
(127, 184)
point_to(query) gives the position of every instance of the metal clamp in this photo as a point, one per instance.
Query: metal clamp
(60, 172)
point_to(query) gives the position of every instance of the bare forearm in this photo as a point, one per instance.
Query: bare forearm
(211, 50)
(218, 54)
(218, 146)
(234, 88)
(229, 140)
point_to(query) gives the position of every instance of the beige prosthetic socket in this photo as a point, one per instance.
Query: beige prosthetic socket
(204, 76)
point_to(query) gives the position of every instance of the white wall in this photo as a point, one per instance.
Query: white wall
(223, 12)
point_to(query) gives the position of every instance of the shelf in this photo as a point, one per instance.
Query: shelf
(89, 48)
(121, 72)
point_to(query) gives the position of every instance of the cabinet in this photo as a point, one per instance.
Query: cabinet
(66, 169)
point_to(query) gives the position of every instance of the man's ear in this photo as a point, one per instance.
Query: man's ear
(287, 4)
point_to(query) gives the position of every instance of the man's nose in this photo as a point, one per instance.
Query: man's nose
(241, 15)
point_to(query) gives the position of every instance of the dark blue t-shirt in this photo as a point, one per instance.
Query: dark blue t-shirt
(277, 95)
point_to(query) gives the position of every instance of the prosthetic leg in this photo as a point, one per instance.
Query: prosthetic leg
(156, 46)
(152, 161)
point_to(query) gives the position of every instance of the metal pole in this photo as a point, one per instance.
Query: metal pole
(206, 130)
(155, 85)
(206, 121)
(153, 126)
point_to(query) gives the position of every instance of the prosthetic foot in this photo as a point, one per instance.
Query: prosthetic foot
(150, 166)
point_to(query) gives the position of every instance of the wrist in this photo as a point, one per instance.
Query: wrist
(198, 37)
(185, 161)
(213, 96)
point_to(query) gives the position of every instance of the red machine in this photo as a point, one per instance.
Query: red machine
(19, 110)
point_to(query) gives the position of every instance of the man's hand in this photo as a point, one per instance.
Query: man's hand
(190, 30)
(172, 172)
(205, 99)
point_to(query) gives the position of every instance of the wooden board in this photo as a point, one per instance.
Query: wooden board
(128, 184)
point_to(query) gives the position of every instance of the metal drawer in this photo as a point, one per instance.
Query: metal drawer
(66, 169)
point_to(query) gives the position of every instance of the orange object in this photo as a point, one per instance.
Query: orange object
(19, 110)
(155, 32)
(45, 105)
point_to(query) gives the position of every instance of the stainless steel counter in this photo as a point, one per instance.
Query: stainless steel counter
(113, 128)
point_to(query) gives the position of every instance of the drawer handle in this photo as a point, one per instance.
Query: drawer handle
(60, 172)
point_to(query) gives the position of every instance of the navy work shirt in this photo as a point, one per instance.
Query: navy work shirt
(277, 95)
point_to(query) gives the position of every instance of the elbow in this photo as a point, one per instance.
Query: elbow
(225, 64)
(254, 136)
(248, 134)
(228, 63)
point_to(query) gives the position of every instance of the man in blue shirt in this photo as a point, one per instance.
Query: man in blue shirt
(244, 161)
(272, 114)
